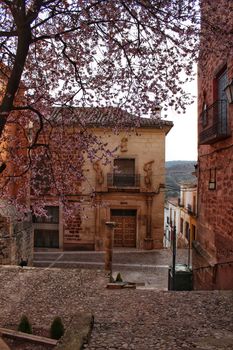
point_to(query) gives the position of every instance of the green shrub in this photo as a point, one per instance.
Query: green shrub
(119, 278)
(111, 279)
(24, 325)
(57, 328)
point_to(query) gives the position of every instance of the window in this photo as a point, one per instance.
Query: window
(204, 115)
(189, 207)
(124, 172)
(52, 216)
(170, 216)
(181, 225)
(194, 205)
(194, 232)
(216, 114)
(212, 179)
(222, 81)
(46, 238)
(187, 230)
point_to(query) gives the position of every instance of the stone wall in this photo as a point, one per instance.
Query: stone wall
(97, 195)
(208, 275)
(16, 242)
(147, 148)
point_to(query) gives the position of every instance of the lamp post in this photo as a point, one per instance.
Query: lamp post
(189, 247)
(109, 237)
(229, 92)
(174, 259)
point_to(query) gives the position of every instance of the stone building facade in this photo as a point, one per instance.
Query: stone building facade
(182, 213)
(213, 248)
(16, 236)
(128, 190)
(16, 242)
(188, 215)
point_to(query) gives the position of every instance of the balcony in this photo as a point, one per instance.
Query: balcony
(191, 211)
(216, 119)
(180, 203)
(123, 181)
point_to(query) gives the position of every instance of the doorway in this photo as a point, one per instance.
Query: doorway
(125, 232)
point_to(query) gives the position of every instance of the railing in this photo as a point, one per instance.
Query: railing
(216, 117)
(191, 211)
(123, 180)
(189, 208)
(213, 266)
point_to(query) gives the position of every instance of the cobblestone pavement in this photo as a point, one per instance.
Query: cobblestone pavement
(124, 319)
(148, 267)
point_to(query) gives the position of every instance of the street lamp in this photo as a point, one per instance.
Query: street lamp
(229, 91)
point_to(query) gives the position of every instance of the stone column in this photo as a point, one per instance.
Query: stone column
(108, 246)
(148, 240)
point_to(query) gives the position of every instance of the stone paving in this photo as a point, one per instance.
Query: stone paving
(148, 267)
(124, 319)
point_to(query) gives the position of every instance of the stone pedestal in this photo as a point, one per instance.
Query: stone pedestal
(148, 243)
(109, 245)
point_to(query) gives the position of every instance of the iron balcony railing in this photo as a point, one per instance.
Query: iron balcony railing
(189, 208)
(123, 180)
(216, 123)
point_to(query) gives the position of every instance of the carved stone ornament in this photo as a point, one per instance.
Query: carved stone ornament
(124, 144)
(99, 173)
(148, 170)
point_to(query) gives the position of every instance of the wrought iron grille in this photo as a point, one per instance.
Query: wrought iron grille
(123, 180)
(180, 203)
(189, 207)
(217, 127)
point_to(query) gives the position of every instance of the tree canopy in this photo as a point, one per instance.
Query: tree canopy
(130, 54)
(125, 53)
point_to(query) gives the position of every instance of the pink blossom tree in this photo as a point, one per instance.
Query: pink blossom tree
(128, 54)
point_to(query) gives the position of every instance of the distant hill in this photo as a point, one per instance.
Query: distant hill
(178, 172)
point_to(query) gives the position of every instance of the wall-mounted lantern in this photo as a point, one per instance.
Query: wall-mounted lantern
(229, 91)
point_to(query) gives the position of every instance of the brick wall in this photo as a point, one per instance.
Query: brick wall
(72, 231)
(215, 164)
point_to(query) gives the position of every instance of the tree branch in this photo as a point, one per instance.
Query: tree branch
(41, 122)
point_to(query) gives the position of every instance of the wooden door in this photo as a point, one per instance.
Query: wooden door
(46, 238)
(129, 231)
(125, 232)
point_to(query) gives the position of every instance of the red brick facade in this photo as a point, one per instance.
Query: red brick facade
(213, 251)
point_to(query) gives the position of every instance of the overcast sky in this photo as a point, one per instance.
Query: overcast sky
(181, 141)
